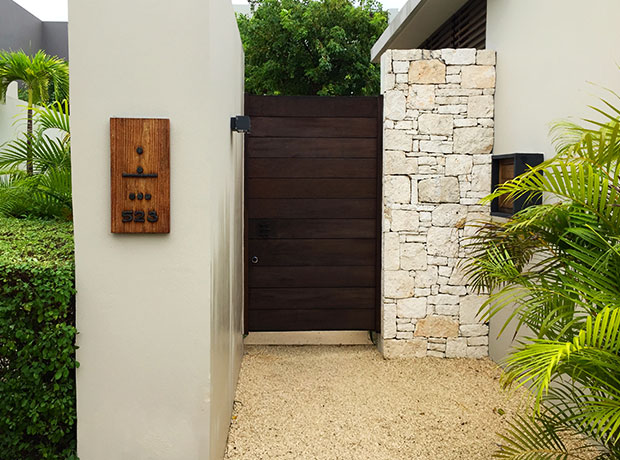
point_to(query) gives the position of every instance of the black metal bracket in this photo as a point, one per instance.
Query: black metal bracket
(240, 124)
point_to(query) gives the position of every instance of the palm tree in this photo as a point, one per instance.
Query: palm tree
(36, 73)
(47, 192)
(558, 265)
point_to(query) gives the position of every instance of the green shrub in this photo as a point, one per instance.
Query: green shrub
(37, 340)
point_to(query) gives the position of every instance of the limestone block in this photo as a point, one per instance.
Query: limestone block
(404, 220)
(480, 107)
(454, 290)
(406, 55)
(469, 308)
(448, 215)
(396, 162)
(395, 139)
(399, 349)
(485, 57)
(431, 123)
(404, 327)
(397, 284)
(481, 178)
(395, 105)
(430, 71)
(413, 256)
(391, 251)
(473, 140)
(477, 352)
(449, 310)
(461, 56)
(458, 277)
(411, 308)
(421, 97)
(456, 348)
(400, 66)
(387, 82)
(439, 190)
(436, 147)
(474, 330)
(404, 335)
(453, 109)
(446, 299)
(457, 165)
(389, 320)
(437, 326)
(477, 341)
(425, 279)
(436, 346)
(465, 122)
(478, 76)
(442, 241)
(397, 189)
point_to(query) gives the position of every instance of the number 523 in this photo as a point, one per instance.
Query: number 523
(138, 216)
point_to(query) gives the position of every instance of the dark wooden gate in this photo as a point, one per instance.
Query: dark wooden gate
(313, 178)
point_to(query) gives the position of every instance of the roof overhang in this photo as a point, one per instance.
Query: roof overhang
(415, 22)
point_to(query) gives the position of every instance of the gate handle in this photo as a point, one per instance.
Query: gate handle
(254, 259)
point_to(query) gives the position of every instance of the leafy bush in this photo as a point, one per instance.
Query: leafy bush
(559, 264)
(37, 340)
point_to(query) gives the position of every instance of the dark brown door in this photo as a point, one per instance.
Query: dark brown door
(312, 182)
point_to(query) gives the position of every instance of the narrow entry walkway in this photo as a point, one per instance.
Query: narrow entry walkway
(348, 403)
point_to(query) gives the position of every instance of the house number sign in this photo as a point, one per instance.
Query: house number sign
(140, 160)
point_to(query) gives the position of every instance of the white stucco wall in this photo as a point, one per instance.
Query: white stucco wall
(159, 316)
(12, 115)
(547, 52)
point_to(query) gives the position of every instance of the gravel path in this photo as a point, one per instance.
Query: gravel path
(337, 403)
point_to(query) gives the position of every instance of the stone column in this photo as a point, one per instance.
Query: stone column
(438, 139)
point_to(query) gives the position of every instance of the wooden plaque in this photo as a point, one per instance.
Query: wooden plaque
(140, 160)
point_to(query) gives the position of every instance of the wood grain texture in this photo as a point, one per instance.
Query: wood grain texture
(311, 106)
(319, 168)
(312, 277)
(296, 319)
(312, 188)
(312, 217)
(311, 228)
(306, 127)
(292, 147)
(311, 209)
(153, 136)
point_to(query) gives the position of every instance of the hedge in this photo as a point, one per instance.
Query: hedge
(37, 340)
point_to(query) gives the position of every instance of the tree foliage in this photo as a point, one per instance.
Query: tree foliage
(312, 47)
(557, 265)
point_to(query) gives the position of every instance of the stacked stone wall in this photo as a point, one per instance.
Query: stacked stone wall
(438, 139)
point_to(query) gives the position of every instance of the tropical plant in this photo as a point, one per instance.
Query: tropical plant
(557, 265)
(312, 47)
(47, 192)
(36, 73)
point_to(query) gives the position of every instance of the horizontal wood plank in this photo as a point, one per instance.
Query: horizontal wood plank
(312, 298)
(263, 208)
(304, 127)
(311, 228)
(315, 277)
(299, 253)
(312, 188)
(287, 147)
(312, 106)
(320, 168)
(312, 320)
